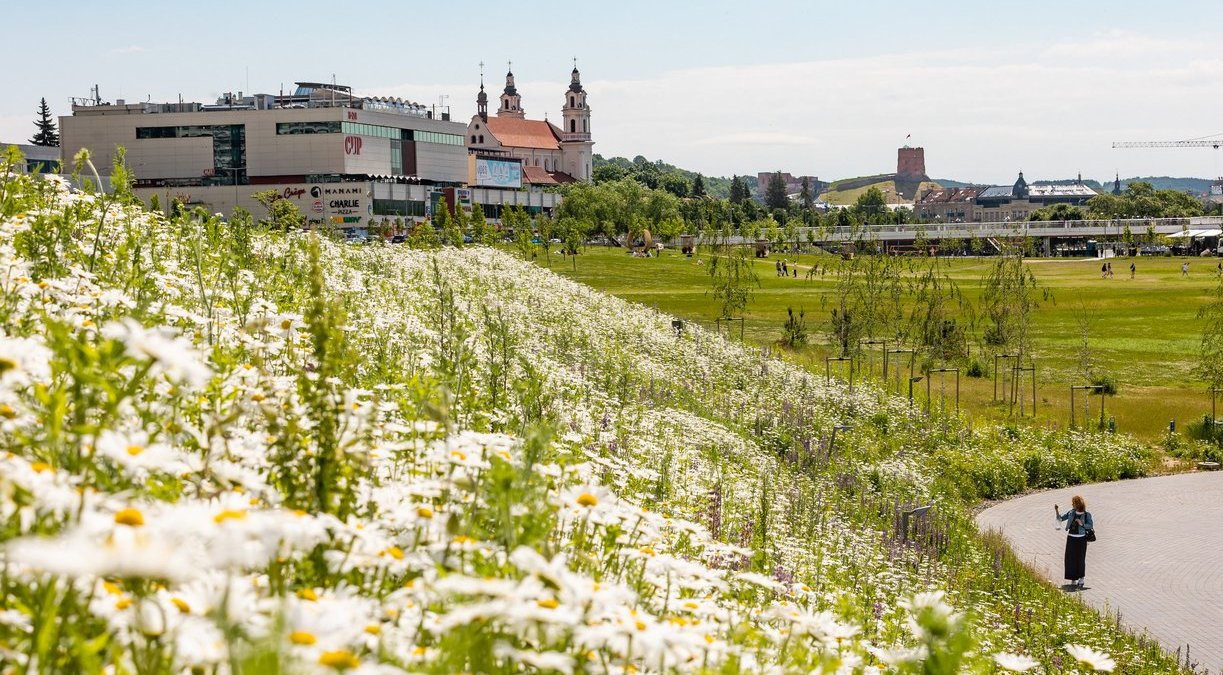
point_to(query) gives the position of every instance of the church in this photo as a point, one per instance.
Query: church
(550, 155)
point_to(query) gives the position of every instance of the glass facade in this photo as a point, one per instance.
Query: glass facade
(396, 157)
(399, 207)
(432, 137)
(291, 128)
(228, 148)
(371, 130)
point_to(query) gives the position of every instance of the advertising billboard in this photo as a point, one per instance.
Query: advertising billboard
(498, 173)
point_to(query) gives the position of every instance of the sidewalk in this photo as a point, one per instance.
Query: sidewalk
(1158, 560)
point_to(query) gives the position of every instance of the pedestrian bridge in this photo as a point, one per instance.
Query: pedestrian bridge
(1208, 226)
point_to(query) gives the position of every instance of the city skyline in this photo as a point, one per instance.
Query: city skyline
(830, 93)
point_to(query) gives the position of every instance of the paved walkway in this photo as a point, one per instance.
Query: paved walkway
(1158, 560)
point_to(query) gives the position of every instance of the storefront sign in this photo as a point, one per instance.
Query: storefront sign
(498, 173)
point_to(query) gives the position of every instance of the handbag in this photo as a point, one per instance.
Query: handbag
(1091, 534)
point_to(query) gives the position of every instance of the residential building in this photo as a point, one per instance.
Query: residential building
(1018, 201)
(948, 205)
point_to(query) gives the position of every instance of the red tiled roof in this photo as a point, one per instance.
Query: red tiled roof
(516, 133)
(535, 175)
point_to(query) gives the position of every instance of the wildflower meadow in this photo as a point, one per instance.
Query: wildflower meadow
(232, 449)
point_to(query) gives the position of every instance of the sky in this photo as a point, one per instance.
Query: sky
(828, 89)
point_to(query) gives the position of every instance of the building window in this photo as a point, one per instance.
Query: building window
(292, 128)
(570, 101)
(481, 138)
(573, 126)
(431, 137)
(585, 130)
(473, 138)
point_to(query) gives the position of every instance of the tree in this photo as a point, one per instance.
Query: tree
(805, 196)
(47, 135)
(871, 207)
(1059, 212)
(282, 213)
(732, 274)
(1009, 299)
(698, 186)
(1210, 361)
(775, 194)
(738, 190)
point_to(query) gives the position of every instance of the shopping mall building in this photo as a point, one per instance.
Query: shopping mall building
(347, 161)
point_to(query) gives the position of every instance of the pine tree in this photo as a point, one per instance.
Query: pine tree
(775, 194)
(48, 135)
(805, 195)
(738, 191)
(698, 186)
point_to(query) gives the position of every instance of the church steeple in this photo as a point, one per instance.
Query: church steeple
(1117, 184)
(575, 129)
(482, 98)
(511, 102)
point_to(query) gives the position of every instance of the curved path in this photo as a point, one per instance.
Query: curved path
(1158, 560)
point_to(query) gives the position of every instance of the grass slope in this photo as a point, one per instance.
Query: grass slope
(233, 450)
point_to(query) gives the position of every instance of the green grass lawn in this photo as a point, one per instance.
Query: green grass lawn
(1142, 330)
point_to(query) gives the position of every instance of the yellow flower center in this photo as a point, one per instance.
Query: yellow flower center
(130, 517)
(647, 550)
(285, 324)
(395, 552)
(418, 651)
(181, 605)
(301, 637)
(340, 659)
(111, 587)
(257, 398)
(123, 603)
(229, 514)
(307, 594)
(40, 467)
(548, 603)
(7, 364)
(587, 499)
(7, 412)
(424, 512)
(134, 450)
(459, 455)
(373, 629)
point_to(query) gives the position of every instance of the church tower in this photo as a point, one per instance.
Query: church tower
(482, 98)
(511, 102)
(577, 154)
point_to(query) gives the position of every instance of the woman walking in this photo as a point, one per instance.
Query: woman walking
(1078, 522)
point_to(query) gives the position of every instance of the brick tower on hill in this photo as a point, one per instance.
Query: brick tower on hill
(911, 163)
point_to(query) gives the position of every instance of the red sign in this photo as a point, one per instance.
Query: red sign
(352, 145)
(352, 114)
(293, 192)
(317, 206)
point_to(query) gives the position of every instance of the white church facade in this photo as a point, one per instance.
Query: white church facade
(549, 154)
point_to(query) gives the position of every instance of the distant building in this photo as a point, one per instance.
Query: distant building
(346, 161)
(548, 155)
(911, 164)
(1018, 201)
(37, 158)
(949, 205)
(794, 184)
(998, 203)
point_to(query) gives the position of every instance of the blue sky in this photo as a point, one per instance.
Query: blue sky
(822, 88)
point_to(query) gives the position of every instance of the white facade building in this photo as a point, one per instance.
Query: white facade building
(549, 155)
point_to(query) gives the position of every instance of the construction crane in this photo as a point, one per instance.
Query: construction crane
(1215, 143)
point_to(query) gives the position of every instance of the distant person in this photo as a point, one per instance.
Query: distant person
(1184, 269)
(1132, 270)
(785, 269)
(1078, 523)
(795, 273)
(1219, 270)
(1103, 270)
(1110, 270)
(778, 266)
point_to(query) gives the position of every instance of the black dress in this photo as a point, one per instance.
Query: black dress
(1076, 548)
(1076, 557)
